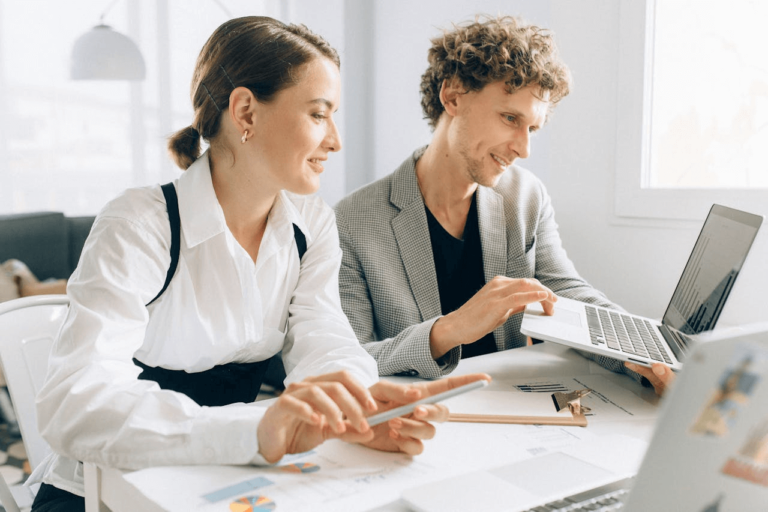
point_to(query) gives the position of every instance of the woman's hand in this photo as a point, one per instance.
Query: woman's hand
(307, 413)
(407, 433)
(335, 405)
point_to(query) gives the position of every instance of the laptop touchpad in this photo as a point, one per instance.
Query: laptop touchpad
(567, 317)
(561, 315)
(562, 472)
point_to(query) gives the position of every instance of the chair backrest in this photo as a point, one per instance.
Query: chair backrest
(28, 328)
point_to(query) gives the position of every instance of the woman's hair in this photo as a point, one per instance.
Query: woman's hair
(260, 53)
(488, 50)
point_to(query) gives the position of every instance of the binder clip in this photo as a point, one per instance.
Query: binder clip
(571, 400)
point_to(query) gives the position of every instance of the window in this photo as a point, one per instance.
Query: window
(693, 118)
(73, 145)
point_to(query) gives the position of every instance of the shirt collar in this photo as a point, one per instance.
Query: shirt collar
(202, 217)
(201, 214)
(284, 215)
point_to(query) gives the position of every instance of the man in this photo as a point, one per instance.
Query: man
(442, 255)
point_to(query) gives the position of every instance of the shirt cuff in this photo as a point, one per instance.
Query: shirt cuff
(258, 460)
(228, 435)
(424, 364)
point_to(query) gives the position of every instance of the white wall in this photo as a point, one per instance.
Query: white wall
(403, 29)
(637, 263)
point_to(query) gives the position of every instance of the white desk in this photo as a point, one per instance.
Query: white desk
(458, 447)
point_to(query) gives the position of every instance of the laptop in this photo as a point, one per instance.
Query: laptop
(708, 453)
(696, 304)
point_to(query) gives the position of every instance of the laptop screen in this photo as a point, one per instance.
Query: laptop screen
(711, 270)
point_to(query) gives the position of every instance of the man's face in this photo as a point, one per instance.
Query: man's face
(492, 128)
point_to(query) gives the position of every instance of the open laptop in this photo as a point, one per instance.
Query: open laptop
(696, 304)
(709, 451)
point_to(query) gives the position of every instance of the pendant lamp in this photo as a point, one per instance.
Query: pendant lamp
(104, 54)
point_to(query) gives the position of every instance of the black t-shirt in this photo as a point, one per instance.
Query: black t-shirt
(460, 275)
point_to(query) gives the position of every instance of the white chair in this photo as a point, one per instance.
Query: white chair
(28, 327)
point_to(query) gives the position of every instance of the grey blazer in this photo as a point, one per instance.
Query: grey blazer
(388, 283)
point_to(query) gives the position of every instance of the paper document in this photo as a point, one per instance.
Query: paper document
(504, 403)
(335, 476)
(621, 454)
(608, 400)
(472, 446)
(540, 439)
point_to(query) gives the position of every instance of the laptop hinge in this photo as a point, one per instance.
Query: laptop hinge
(678, 345)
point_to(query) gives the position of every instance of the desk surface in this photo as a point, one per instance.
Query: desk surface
(458, 448)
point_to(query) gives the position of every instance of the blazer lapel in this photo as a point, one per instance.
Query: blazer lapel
(492, 224)
(413, 241)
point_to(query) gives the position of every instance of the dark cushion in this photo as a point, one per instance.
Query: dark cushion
(47, 242)
(79, 229)
(40, 240)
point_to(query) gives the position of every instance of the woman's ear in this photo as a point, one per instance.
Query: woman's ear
(242, 109)
(449, 95)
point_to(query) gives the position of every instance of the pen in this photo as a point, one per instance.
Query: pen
(405, 409)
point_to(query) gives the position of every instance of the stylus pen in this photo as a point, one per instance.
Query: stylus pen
(405, 409)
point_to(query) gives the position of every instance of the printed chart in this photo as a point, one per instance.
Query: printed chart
(300, 467)
(335, 476)
(543, 386)
(252, 504)
(607, 400)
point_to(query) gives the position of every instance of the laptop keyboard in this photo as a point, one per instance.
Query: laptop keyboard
(625, 333)
(606, 498)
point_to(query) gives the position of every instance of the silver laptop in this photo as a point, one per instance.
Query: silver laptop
(709, 451)
(696, 304)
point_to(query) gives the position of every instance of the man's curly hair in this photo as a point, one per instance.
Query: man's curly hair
(492, 49)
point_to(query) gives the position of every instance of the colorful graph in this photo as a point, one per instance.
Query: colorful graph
(252, 504)
(238, 489)
(300, 467)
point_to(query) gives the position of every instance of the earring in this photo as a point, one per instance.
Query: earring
(244, 137)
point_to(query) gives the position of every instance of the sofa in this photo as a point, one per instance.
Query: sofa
(49, 243)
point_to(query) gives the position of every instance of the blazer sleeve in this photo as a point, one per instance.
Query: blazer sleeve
(408, 352)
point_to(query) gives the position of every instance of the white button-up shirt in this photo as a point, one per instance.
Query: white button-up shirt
(220, 307)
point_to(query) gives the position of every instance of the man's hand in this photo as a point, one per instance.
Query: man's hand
(660, 375)
(489, 308)
(335, 405)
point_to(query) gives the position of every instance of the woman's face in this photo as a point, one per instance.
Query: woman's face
(295, 132)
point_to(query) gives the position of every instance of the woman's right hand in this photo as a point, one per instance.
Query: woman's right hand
(313, 410)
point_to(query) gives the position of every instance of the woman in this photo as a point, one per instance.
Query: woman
(253, 271)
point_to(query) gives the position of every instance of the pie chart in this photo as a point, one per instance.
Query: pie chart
(252, 504)
(300, 467)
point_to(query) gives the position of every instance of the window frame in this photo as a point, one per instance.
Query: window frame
(633, 198)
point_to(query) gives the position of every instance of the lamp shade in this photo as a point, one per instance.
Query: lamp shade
(103, 54)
